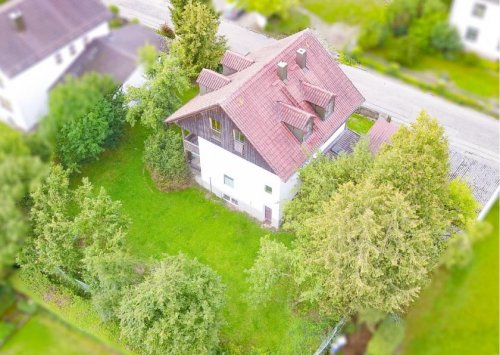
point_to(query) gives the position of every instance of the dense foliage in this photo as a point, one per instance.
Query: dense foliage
(197, 44)
(70, 224)
(20, 173)
(268, 7)
(175, 310)
(85, 116)
(177, 10)
(159, 97)
(379, 227)
(410, 28)
(320, 179)
(164, 158)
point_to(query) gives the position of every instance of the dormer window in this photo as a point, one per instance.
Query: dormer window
(321, 100)
(239, 141)
(216, 129)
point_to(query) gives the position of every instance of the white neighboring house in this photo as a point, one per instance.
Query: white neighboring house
(251, 128)
(40, 39)
(477, 24)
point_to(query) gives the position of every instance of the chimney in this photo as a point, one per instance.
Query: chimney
(301, 57)
(282, 70)
(17, 19)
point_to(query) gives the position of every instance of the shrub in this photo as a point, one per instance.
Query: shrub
(175, 310)
(404, 50)
(115, 22)
(164, 158)
(373, 35)
(115, 10)
(166, 31)
(470, 58)
(39, 147)
(446, 40)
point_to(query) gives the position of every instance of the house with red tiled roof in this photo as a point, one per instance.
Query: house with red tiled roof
(252, 127)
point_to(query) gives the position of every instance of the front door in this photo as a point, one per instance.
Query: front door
(268, 215)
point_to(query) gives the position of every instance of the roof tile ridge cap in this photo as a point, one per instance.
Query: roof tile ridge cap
(338, 64)
(297, 109)
(261, 71)
(213, 72)
(244, 57)
(313, 86)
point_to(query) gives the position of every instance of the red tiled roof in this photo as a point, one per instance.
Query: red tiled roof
(381, 132)
(212, 80)
(236, 61)
(250, 100)
(317, 95)
(295, 117)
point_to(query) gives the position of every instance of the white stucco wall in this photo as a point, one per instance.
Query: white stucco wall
(249, 180)
(28, 91)
(487, 42)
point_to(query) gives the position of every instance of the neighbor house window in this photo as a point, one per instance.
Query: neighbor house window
(239, 141)
(59, 58)
(72, 49)
(229, 181)
(268, 189)
(479, 10)
(471, 34)
(5, 104)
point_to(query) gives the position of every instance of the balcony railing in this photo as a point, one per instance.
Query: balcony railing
(191, 144)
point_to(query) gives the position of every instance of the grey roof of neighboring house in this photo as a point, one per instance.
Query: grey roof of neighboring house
(114, 54)
(50, 24)
(344, 143)
(483, 179)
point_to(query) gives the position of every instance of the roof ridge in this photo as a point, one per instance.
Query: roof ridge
(296, 109)
(293, 39)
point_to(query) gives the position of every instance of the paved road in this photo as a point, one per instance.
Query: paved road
(469, 131)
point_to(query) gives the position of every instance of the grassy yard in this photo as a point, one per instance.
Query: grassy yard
(481, 79)
(43, 334)
(458, 312)
(195, 223)
(354, 12)
(359, 123)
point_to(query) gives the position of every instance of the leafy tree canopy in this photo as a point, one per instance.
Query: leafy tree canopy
(159, 97)
(175, 310)
(164, 158)
(197, 44)
(177, 10)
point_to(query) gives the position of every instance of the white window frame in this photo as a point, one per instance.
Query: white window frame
(228, 181)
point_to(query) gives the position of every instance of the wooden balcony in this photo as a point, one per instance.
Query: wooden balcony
(191, 144)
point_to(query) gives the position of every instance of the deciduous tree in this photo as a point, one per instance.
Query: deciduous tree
(159, 97)
(197, 44)
(176, 309)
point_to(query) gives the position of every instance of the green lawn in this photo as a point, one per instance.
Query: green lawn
(458, 312)
(481, 80)
(354, 12)
(195, 223)
(359, 123)
(45, 335)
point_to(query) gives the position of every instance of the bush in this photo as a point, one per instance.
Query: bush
(470, 58)
(446, 40)
(404, 50)
(373, 35)
(39, 147)
(115, 10)
(175, 310)
(164, 158)
(166, 31)
(115, 22)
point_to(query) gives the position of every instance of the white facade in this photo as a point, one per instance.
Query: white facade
(477, 23)
(244, 185)
(23, 98)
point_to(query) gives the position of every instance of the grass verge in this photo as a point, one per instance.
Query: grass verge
(43, 334)
(458, 312)
(354, 12)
